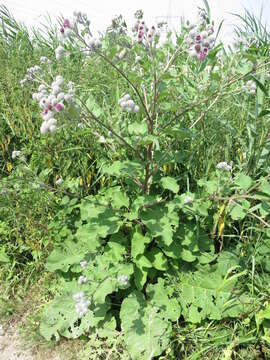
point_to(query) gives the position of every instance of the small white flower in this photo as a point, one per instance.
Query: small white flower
(59, 181)
(187, 200)
(51, 98)
(102, 139)
(59, 80)
(41, 87)
(39, 96)
(82, 304)
(83, 264)
(15, 153)
(204, 34)
(126, 97)
(123, 279)
(130, 104)
(224, 166)
(82, 280)
(60, 96)
(122, 54)
(136, 109)
(79, 296)
(60, 52)
(68, 98)
(56, 89)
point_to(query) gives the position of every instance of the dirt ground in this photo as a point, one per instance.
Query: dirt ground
(12, 347)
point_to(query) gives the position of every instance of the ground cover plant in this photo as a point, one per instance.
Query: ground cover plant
(136, 171)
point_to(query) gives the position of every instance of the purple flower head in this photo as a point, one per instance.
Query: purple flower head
(66, 23)
(44, 112)
(198, 38)
(50, 107)
(140, 35)
(62, 30)
(205, 50)
(202, 55)
(59, 107)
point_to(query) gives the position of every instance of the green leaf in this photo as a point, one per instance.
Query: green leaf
(195, 244)
(123, 169)
(62, 258)
(58, 317)
(137, 128)
(93, 106)
(146, 332)
(88, 234)
(162, 296)
(140, 276)
(264, 112)
(262, 315)
(265, 187)
(209, 295)
(117, 197)
(102, 221)
(158, 259)
(120, 199)
(138, 243)
(143, 262)
(260, 85)
(170, 183)
(107, 327)
(243, 181)
(3, 257)
(161, 221)
(239, 211)
(105, 288)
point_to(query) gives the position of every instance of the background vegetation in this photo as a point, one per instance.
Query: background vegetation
(219, 121)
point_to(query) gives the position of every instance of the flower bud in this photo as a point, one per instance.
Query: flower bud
(130, 103)
(51, 122)
(126, 97)
(60, 96)
(53, 129)
(136, 109)
(44, 128)
(56, 89)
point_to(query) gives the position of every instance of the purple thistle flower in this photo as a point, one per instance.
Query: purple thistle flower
(202, 55)
(59, 107)
(66, 23)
